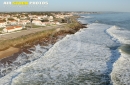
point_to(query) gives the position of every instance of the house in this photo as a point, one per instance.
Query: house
(44, 16)
(38, 22)
(50, 18)
(23, 22)
(57, 23)
(15, 18)
(63, 16)
(60, 16)
(23, 17)
(12, 28)
(2, 24)
(13, 22)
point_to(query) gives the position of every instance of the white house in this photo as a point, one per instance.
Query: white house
(60, 16)
(38, 22)
(50, 18)
(2, 24)
(63, 16)
(23, 17)
(23, 22)
(57, 23)
(12, 28)
(13, 22)
(44, 16)
(15, 18)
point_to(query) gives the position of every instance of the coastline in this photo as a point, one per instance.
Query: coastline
(108, 43)
(45, 38)
(97, 52)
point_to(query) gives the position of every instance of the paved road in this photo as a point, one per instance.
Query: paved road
(26, 32)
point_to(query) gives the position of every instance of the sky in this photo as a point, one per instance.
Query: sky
(70, 5)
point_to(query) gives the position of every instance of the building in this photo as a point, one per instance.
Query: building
(57, 23)
(23, 22)
(2, 24)
(50, 19)
(38, 22)
(63, 16)
(13, 22)
(12, 28)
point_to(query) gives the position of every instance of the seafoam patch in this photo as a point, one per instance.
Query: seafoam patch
(81, 58)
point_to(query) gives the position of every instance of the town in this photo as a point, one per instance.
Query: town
(13, 22)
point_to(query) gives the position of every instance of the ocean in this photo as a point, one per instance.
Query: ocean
(117, 19)
(119, 29)
(96, 55)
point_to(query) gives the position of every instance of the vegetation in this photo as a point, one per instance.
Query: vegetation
(36, 26)
(10, 19)
(1, 29)
(44, 20)
(36, 37)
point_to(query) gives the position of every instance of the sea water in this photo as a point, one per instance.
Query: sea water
(120, 30)
(119, 21)
(92, 56)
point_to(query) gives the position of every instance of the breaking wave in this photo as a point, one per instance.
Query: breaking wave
(22, 59)
(120, 74)
(119, 33)
(86, 17)
(85, 57)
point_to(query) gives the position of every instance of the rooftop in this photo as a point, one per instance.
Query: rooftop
(12, 27)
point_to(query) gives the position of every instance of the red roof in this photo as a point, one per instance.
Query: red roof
(12, 27)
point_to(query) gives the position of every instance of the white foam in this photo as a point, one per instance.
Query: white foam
(23, 59)
(120, 34)
(86, 16)
(121, 72)
(73, 60)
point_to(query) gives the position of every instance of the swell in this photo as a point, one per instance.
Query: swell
(120, 71)
(85, 57)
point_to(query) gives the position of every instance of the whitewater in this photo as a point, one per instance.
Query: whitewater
(91, 56)
(83, 58)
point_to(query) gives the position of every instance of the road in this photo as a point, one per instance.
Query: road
(26, 32)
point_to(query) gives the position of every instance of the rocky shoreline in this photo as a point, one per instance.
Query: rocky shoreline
(45, 41)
